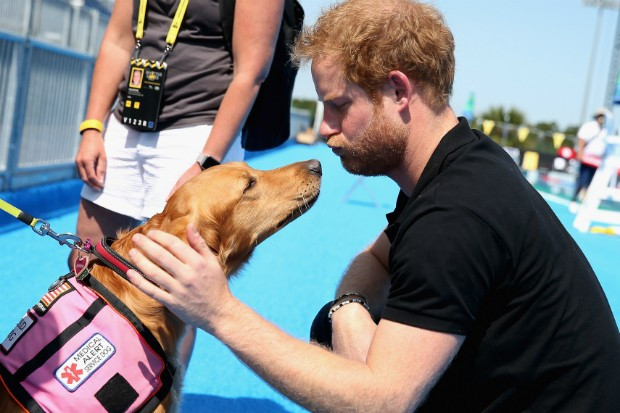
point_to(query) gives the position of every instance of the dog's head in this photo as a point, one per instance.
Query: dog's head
(236, 207)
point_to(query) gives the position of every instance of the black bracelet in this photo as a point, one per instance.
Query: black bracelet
(339, 303)
(351, 294)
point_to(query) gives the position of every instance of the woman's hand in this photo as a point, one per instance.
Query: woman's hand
(91, 159)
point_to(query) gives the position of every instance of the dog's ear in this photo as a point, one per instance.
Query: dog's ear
(229, 246)
(211, 232)
(235, 248)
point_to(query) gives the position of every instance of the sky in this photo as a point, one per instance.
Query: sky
(533, 55)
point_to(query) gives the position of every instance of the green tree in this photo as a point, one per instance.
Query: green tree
(547, 126)
(306, 104)
(500, 114)
(507, 122)
(571, 130)
(545, 141)
(539, 137)
(571, 135)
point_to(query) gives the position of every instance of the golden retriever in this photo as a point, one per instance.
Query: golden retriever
(235, 208)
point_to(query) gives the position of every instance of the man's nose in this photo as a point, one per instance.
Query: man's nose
(327, 129)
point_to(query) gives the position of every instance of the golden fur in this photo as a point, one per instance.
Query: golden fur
(234, 208)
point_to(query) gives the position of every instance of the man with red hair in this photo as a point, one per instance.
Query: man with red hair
(474, 298)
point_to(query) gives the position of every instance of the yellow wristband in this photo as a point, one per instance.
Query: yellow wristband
(91, 124)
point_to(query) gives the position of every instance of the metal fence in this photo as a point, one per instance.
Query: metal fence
(47, 52)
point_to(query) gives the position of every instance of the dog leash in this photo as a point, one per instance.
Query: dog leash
(103, 250)
(42, 227)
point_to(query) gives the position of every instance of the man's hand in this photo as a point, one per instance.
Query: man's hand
(189, 280)
(191, 172)
(91, 160)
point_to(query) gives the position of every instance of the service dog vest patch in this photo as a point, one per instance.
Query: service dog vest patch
(81, 349)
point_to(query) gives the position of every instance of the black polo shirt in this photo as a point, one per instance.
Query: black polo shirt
(477, 252)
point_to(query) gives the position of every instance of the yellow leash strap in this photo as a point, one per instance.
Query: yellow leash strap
(174, 27)
(19, 214)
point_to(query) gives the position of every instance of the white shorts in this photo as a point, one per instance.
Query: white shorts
(143, 167)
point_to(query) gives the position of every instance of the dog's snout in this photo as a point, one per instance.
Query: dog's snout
(314, 166)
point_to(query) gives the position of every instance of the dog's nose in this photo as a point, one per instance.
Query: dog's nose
(314, 166)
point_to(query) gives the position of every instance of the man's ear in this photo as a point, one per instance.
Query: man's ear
(400, 88)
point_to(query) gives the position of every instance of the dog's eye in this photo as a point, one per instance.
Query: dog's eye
(250, 183)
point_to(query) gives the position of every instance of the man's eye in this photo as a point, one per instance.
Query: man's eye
(337, 107)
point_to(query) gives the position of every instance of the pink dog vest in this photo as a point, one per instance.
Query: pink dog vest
(81, 349)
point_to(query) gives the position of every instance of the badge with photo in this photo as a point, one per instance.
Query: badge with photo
(145, 89)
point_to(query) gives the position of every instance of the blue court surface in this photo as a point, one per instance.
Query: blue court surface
(290, 276)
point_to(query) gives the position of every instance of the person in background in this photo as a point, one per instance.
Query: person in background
(589, 152)
(128, 174)
(474, 298)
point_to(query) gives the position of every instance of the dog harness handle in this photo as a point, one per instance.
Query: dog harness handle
(103, 250)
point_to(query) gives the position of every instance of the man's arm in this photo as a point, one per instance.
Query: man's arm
(352, 326)
(368, 275)
(403, 362)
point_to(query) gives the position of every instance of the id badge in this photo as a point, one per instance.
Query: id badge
(145, 89)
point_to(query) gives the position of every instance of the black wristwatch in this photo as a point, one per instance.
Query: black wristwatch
(206, 161)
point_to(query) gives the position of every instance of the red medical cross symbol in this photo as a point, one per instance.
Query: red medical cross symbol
(72, 373)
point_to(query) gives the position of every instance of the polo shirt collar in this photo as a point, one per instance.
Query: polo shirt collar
(459, 135)
(456, 137)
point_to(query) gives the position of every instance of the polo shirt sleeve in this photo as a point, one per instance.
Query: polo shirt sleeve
(444, 262)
